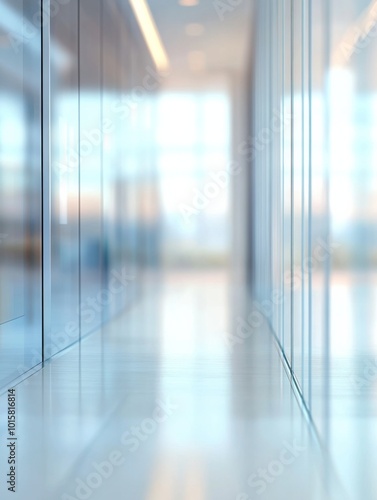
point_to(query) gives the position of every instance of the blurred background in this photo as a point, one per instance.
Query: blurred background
(136, 171)
(221, 150)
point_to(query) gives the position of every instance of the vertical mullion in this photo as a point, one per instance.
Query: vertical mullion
(303, 211)
(310, 201)
(283, 14)
(79, 164)
(269, 152)
(46, 179)
(327, 270)
(292, 182)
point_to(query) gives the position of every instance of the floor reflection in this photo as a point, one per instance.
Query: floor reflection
(160, 406)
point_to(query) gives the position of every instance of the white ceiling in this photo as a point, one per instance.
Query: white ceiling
(225, 40)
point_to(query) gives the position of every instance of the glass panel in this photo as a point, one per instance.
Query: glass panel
(20, 188)
(65, 163)
(319, 214)
(91, 301)
(297, 215)
(287, 180)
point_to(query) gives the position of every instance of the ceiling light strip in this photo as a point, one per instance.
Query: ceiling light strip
(151, 35)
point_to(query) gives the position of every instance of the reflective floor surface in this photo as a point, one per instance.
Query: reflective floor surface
(172, 400)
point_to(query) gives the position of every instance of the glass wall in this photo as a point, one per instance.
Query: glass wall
(292, 218)
(100, 175)
(314, 191)
(20, 188)
(99, 112)
(100, 197)
(65, 174)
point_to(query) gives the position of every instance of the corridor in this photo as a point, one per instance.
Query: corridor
(188, 249)
(176, 404)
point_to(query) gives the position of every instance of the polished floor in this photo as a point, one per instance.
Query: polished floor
(175, 399)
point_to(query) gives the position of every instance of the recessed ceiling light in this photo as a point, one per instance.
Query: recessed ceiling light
(188, 3)
(194, 29)
(197, 60)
